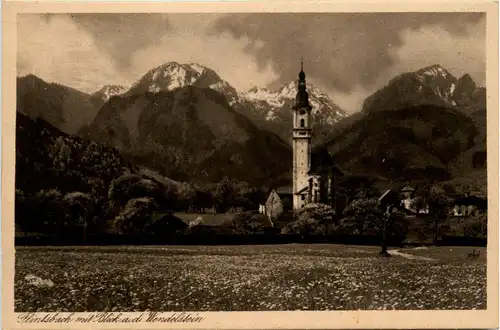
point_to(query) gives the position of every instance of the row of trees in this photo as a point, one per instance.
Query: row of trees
(128, 207)
(221, 196)
(132, 199)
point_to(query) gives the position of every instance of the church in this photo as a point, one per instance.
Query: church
(313, 171)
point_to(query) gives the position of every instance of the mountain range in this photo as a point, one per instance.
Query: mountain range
(187, 123)
(189, 133)
(63, 107)
(432, 85)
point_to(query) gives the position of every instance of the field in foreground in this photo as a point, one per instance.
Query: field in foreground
(237, 278)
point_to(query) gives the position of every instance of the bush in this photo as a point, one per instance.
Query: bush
(312, 219)
(360, 217)
(283, 219)
(133, 186)
(136, 216)
(53, 212)
(477, 227)
(249, 223)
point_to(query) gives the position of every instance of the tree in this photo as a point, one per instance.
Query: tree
(135, 217)
(203, 196)
(367, 215)
(312, 219)
(81, 207)
(186, 195)
(224, 195)
(434, 198)
(130, 186)
(355, 186)
(249, 197)
(477, 226)
(249, 223)
(120, 189)
(22, 216)
(359, 216)
(52, 210)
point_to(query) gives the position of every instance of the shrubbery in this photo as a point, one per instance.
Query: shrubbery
(135, 217)
(478, 227)
(312, 219)
(252, 222)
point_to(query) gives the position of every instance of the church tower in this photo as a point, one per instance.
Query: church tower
(302, 130)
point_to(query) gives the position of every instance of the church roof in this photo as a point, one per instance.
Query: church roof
(322, 161)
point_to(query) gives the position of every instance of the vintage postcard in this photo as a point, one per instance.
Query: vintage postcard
(250, 165)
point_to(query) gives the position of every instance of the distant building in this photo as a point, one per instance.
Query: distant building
(392, 197)
(313, 170)
(279, 200)
(389, 197)
(469, 206)
(407, 194)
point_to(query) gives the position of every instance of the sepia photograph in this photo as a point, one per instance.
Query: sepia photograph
(194, 162)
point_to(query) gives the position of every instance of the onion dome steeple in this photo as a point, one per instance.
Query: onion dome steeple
(302, 98)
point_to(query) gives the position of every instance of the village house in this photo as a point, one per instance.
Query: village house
(469, 206)
(407, 194)
(279, 200)
(392, 197)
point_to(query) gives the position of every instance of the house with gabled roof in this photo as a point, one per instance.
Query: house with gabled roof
(279, 200)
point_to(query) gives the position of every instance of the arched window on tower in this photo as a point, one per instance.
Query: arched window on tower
(302, 123)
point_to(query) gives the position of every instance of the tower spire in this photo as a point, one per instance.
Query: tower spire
(302, 75)
(302, 99)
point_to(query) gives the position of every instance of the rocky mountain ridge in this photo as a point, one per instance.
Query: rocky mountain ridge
(433, 85)
(269, 109)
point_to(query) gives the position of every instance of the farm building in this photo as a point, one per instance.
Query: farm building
(279, 200)
(469, 205)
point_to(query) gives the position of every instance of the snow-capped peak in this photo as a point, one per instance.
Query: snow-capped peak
(435, 70)
(173, 75)
(442, 83)
(274, 102)
(271, 105)
(108, 91)
(429, 85)
(199, 68)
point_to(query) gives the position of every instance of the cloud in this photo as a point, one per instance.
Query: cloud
(191, 44)
(121, 35)
(465, 53)
(86, 51)
(57, 50)
(350, 54)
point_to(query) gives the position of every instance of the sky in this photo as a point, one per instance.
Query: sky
(347, 55)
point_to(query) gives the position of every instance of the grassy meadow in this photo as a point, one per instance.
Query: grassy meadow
(247, 278)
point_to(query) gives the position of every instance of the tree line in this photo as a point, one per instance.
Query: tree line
(132, 199)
